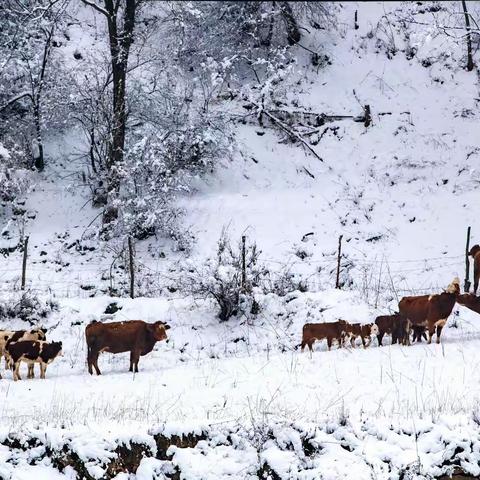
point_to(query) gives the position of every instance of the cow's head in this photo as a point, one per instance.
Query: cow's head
(40, 333)
(158, 330)
(474, 250)
(57, 348)
(454, 287)
(374, 329)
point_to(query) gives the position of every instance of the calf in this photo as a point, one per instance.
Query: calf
(431, 311)
(10, 336)
(134, 336)
(401, 331)
(319, 331)
(394, 325)
(365, 332)
(419, 331)
(31, 352)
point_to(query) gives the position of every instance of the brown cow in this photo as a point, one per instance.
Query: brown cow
(365, 332)
(9, 336)
(431, 311)
(470, 301)
(319, 331)
(391, 325)
(475, 254)
(32, 352)
(134, 336)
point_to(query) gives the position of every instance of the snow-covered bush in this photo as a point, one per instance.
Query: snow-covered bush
(28, 307)
(240, 33)
(164, 156)
(14, 180)
(224, 278)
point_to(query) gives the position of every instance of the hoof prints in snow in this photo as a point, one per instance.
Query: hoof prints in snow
(374, 448)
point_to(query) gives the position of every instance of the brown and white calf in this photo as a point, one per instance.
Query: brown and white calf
(31, 352)
(319, 331)
(365, 332)
(9, 336)
(431, 311)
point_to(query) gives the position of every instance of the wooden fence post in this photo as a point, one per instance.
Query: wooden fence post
(466, 285)
(356, 20)
(337, 281)
(24, 262)
(132, 268)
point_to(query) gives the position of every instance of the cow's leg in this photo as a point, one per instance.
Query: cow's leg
(43, 369)
(329, 343)
(131, 361)
(16, 371)
(93, 361)
(431, 331)
(310, 345)
(134, 358)
(303, 345)
(380, 337)
(30, 373)
(440, 324)
(95, 364)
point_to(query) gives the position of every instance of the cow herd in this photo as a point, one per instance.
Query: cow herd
(418, 315)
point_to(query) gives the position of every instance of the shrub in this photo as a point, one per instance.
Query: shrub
(221, 278)
(28, 308)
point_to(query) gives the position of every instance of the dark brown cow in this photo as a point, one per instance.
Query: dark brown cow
(431, 311)
(475, 254)
(395, 325)
(419, 331)
(134, 336)
(365, 332)
(319, 331)
(401, 331)
(31, 352)
(470, 301)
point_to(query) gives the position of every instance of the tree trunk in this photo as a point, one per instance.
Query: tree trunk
(293, 32)
(468, 37)
(120, 43)
(39, 160)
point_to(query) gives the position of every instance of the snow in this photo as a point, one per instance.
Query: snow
(409, 179)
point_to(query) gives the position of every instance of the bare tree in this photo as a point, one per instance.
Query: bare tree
(468, 37)
(120, 16)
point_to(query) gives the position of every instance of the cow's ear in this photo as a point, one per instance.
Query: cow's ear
(166, 326)
(44, 330)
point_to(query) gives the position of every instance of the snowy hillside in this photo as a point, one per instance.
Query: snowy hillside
(238, 399)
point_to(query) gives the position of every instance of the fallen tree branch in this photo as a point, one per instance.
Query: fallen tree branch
(287, 129)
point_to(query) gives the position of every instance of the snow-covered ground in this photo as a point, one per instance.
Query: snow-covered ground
(401, 192)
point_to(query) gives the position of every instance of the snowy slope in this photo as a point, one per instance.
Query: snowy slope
(401, 192)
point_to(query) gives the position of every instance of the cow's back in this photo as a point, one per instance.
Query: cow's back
(323, 330)
(441, 306)
(115, 337)
(415, 308)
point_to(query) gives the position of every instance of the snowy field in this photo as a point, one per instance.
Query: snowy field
(211, 373)
(401, 192)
